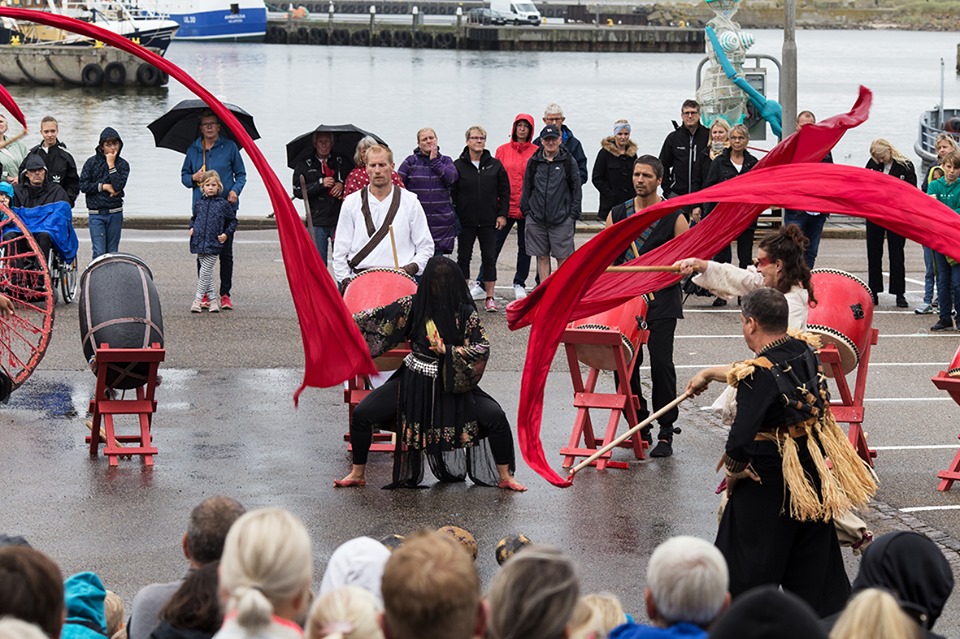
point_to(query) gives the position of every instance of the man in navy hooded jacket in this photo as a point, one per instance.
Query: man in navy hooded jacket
(102, 180)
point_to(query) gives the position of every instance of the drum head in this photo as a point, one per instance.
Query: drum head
(377, 287)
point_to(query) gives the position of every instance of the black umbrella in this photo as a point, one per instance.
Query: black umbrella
(179, 127)
(346, 136)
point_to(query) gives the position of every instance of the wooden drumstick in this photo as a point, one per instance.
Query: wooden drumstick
(393, 245)
(622, 438)
(644, 269)
(4, 143)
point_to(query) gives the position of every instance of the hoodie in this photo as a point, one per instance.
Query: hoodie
(84, 594)
(61, 167)
(514, 156)
(96, 173)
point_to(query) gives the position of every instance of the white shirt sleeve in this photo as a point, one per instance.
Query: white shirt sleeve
(343, 239)
(729, 281)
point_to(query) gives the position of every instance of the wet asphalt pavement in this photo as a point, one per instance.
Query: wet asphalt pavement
(226, 424)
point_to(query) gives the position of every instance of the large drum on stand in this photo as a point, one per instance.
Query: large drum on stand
(378, 287)
(843, 315)
(628, 319)
(119, 306)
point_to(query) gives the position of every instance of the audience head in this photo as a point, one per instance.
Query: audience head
(266, 568)
(584, 623)
(687, 581)
(874, 614)
(360, 157)
(13, 628)
(358, 562)
(209, 523)
(115, 613)
(609, 611)
(944, 143)
(553, 114)
(805, 117)
(764, 310)
(376, 151)
(84, 595)
(913, 569)
(951, 159)
(196, 604)
(347, 612)
(883, 152)
(787, 246)
(653, 162)
(766, 612)
(31, 588)
(534, 595)
(431, 590)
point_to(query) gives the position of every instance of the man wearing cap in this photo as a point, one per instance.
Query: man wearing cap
(102, 180)
(60, 165)
(551, 201)
(553, 116)
(213, 152)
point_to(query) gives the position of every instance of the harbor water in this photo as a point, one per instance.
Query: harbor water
(395, 92)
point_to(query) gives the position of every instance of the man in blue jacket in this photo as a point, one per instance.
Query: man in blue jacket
(210, 152)
(102, 180)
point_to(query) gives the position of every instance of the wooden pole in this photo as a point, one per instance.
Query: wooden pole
(4, 143)
(622, 438)
(643, 269)
(393, 245)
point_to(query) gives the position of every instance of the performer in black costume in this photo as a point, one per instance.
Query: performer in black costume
(433, 398)
(777, 527)
(664, 307)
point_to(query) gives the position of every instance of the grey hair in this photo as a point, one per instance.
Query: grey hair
(553, 109)
(688, 580)
(534, 595)
(359, 157)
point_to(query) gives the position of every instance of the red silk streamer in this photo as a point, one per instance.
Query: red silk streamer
(11, 105)
(333, 348)
(580, 287)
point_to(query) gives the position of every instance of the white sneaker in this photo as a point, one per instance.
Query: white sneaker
(477, 292)
(519, 292)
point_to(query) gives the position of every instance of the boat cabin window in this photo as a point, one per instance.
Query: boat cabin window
(234, 8)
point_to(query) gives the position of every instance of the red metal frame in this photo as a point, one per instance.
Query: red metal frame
(358, 387)
(103, 407)
(622, 402)
(952, 386)
(849, 409)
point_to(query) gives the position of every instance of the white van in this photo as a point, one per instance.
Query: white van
(517, 11)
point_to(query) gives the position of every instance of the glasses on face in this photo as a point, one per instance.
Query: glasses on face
(476, 138)
(738, 137)
(686, 113)
(207, 125)
(760, 262)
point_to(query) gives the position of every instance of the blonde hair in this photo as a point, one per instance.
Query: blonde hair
(584, 622)
(113, 609)
(881, 145)
(424, 130)
(946, 137)
(874, 614)
(476, 127)
(208, 176)
(360, 156)
(609, 610)
(267, 561)
(13, 628)
(377, 148)
(723, 125)
(348, 612)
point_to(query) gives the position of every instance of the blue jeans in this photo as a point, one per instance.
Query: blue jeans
(930, 277)
(948, 285)
(321, 237)
(812, 227)
(105, 232)
(523, 260)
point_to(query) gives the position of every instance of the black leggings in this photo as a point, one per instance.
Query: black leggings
(379, 408)
(487, 235)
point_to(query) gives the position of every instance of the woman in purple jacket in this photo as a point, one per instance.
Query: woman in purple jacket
(430, 175)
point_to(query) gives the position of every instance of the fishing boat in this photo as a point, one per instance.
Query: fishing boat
(933, 122)
(215, 20)
(152, 30)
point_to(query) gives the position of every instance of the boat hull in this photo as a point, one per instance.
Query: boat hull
(58, 65)
(214, 20)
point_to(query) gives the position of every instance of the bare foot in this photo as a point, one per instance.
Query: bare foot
(349, 481)
(511, 484)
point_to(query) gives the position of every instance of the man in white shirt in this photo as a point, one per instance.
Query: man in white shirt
(356, 231)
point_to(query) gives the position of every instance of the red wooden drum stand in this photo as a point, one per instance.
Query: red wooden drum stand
(369, 289)
(849, 409)
(103, 407)
(950, 382)
(611, 340)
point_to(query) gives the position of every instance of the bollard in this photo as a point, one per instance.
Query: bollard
(416, 12)
(330, 15)
(373, 20)
(459, 25)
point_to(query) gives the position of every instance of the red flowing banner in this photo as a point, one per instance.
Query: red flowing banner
(333, 348)
(791, 176)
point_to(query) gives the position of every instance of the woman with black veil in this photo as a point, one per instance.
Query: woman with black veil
(433, 401)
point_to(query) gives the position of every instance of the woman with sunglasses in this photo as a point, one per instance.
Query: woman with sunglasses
(779, 264)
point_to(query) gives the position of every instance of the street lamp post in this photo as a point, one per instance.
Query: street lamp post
(788, 77)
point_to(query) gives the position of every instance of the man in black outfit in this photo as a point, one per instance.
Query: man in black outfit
(665, 306)
(61, 167)
(682, 153)
(324, 172)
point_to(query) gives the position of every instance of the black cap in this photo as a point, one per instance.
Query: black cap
(34, 162)
(550, 131)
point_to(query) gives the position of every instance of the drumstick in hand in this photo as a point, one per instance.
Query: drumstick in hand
(393, 245)
(672, 268)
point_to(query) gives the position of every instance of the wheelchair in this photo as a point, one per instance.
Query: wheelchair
(63, 277)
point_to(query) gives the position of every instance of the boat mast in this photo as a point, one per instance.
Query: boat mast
(941, 95)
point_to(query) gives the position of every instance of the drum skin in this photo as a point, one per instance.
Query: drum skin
(954, 369)
(119, 306)
(377, 287)
(621, 318)
(843, 315)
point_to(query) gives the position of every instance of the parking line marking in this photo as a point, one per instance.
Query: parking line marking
(917, 509)
(927, 447)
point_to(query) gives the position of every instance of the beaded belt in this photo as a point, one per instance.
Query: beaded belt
(421, 366)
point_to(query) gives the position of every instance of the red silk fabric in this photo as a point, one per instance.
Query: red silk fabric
(333, 348)
(11, 105)
(790, 176)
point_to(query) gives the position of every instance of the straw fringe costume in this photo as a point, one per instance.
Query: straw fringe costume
(780, 530)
